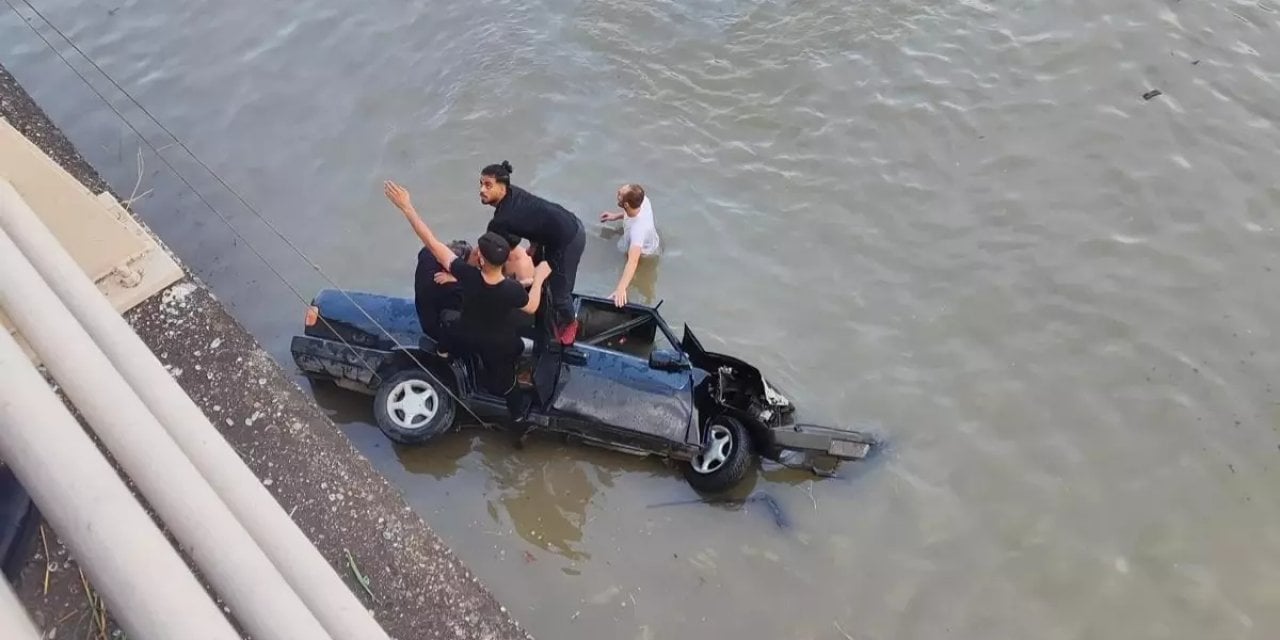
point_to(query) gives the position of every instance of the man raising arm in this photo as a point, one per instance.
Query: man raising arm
(399, 196)
(488, 299)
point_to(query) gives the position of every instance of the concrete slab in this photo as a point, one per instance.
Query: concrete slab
(125, 261)
(81, 221)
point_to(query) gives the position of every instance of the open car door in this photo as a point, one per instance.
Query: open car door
(692, 346)
(606, 378)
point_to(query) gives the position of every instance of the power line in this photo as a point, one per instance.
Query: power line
(178, 141)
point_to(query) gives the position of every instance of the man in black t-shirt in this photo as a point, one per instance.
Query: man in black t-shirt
(558, 236)
(488, 298)
(437, 297)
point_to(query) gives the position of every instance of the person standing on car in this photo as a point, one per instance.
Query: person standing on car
(555, 234)
(639, 234)
(488, 298)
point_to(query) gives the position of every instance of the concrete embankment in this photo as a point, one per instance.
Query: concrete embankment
(417, 586)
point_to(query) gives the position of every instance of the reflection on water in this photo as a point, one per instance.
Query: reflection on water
(541, 492)
(546, 504)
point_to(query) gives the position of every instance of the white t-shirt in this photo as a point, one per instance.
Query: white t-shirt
(640, 231)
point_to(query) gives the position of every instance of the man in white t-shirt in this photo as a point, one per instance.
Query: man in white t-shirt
(639, 234)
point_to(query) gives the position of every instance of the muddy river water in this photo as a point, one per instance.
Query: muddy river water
(958, 224)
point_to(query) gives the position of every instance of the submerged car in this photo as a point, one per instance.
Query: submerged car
(626, 384)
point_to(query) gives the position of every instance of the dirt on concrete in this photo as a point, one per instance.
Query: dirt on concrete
(417, 587)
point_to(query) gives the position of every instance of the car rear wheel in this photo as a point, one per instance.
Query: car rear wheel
(725, 457)
(411, 407)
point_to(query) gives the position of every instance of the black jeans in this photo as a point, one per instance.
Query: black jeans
(431, 299)
(564, 273)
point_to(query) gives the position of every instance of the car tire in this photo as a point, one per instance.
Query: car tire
(412, 407)
(725, 459)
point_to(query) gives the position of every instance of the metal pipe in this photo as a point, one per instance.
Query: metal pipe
(15, 624)
(227, 555)
(315, 581)
(151, 590)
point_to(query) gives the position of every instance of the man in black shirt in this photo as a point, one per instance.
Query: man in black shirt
(557, 234)
(488, 298)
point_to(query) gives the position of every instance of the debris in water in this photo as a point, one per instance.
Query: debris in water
(1151, 94)
(780, 518)
(1195, 62)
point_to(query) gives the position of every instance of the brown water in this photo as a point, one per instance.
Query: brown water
(957, 222)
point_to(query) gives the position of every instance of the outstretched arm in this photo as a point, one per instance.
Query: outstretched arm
(399, 196)
(619, 294)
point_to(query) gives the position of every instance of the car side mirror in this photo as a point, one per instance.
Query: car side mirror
(666, 360)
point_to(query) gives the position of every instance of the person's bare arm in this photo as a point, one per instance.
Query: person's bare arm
(399, 196)
(520, 266)
(540, 274)
(619, 295)
(610, 216)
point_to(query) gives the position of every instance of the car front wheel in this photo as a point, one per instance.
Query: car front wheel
(411, 407)
(725, 457)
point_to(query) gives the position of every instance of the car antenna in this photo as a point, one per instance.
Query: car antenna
(659, 305)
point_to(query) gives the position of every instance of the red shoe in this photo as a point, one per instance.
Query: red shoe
(568, 334)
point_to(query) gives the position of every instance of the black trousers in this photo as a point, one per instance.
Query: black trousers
(431, 299)
(564, 273)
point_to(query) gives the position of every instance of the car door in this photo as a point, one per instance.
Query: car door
(619, 392)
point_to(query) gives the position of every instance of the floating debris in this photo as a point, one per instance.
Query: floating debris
(780, 518)
(1152, 94)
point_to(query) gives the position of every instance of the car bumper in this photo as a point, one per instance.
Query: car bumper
(342, 363)
(841, 444)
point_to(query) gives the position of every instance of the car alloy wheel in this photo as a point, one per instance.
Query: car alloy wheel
(716, 452)
(412, 404)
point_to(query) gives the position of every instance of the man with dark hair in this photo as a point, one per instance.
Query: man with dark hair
(488, 297)
(519, 265)
(639, 234)
(555, 234)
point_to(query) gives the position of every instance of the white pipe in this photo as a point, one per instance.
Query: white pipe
(227, 555)
(303, 566)
(15, 624)
(150, 589)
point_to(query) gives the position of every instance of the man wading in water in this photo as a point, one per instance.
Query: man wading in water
(557, 236)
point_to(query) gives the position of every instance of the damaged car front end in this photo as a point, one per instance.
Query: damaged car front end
(736, 387)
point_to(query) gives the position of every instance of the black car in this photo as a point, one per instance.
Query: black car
(627, 384)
